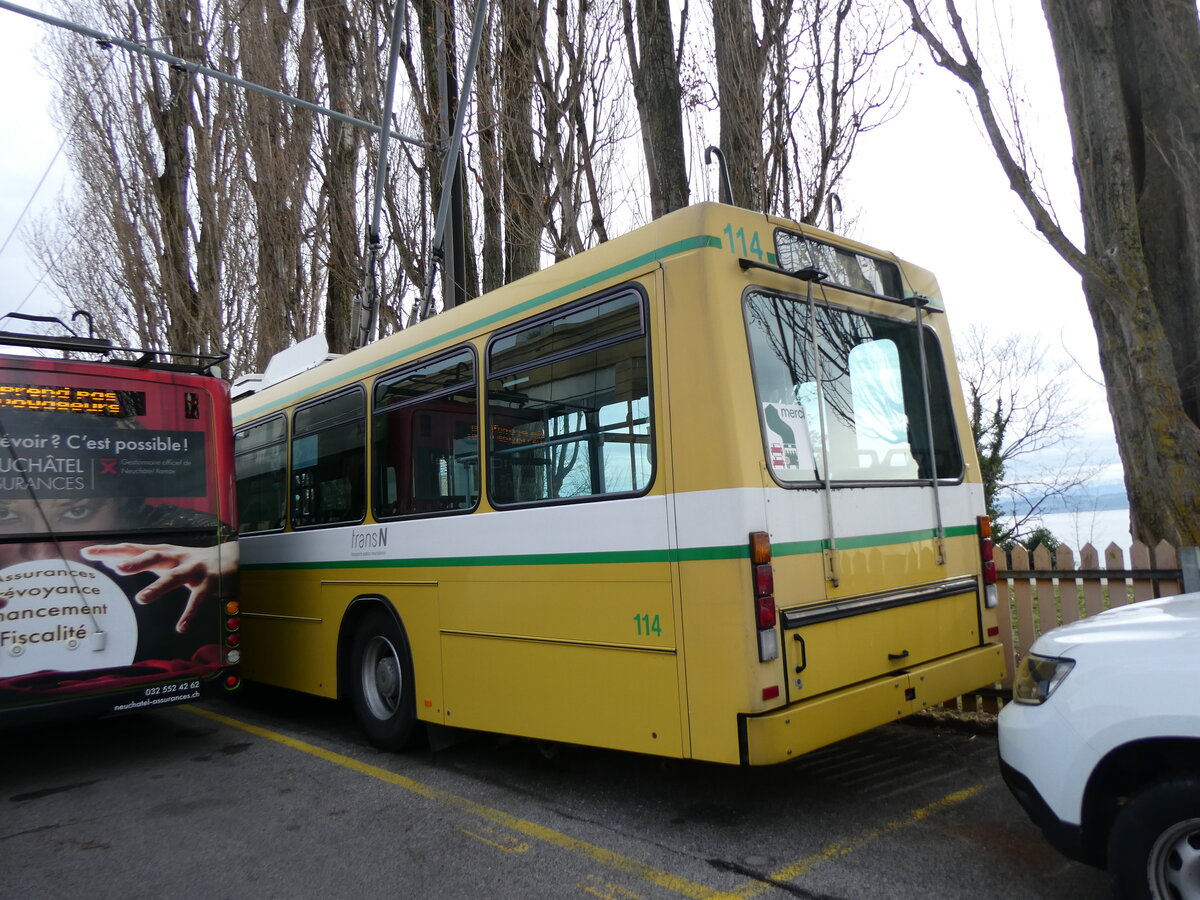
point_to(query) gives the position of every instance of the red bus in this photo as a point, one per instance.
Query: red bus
(118, 565)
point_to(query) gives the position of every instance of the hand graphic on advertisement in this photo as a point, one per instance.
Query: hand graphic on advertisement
(199, 569)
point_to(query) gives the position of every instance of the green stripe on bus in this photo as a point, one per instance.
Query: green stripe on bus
(699, 242)
(902, 537)
(616, 557)
(532, 559)
(800, 548)
(796, 548)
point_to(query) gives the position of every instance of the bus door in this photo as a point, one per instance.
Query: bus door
(867, 461)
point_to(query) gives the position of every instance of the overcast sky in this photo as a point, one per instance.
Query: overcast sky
(925, 186)
(931, 190)
(27, 146)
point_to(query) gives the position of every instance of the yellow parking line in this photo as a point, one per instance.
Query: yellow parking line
(673, 883)
(844, 848)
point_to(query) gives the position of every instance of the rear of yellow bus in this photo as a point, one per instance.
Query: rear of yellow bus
(834, 570)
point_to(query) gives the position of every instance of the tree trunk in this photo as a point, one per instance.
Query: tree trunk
(277, 169)
(739, 86)
(491, 181)
(523, 219)
(332, 19)
(1142, 302)
(1161, 80)
(657, 93)
(171, 115)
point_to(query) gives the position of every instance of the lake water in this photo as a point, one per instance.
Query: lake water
(1096, 527)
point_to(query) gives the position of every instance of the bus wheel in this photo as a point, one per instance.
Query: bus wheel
(381, 682)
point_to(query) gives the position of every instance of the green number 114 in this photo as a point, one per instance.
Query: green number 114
(647, 625)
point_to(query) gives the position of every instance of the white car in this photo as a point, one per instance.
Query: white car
(1102, 746)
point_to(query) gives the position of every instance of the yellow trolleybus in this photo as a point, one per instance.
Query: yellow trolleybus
(704, 491)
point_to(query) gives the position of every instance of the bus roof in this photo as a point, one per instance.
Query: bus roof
(696, 228)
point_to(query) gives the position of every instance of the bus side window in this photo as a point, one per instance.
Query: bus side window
(569, 405)
(425, 423)
(328, 461)
(260, 453)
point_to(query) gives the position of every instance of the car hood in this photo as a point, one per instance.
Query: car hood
(1165, 619)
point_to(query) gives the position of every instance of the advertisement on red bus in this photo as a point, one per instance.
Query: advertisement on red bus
(117, 562)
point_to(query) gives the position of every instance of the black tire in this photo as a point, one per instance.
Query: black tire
(381, 682)
(1154, 845)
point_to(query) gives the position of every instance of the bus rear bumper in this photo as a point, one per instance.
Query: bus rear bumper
(805, 726)
(42, 711)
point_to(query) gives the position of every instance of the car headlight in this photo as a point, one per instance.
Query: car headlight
(1038, 676)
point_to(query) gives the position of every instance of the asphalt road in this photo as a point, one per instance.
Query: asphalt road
(275, 795)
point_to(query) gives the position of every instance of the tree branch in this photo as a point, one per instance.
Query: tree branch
(970, 73)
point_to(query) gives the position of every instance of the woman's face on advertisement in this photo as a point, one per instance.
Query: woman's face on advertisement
(54, 516)
(51, 518)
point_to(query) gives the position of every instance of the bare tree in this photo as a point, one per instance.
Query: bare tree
(741, 59)
(797, 83)
(545, 124)
(571, 93)
(414, 186)
(489, 177)
(1132, 124)
(227, 219)
(276, 168)
(654, 64)
(1021, 407)
(338, 190)
(841, 76)
(435, 91)
(142, 245)
(522, 26)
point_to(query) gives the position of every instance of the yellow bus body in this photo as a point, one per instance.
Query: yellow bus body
(528, 619)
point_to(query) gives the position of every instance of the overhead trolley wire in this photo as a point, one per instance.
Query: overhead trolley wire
(198, 69)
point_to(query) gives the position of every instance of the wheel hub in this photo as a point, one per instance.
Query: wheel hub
(387, 677)
(381, 678)
(1175, 862)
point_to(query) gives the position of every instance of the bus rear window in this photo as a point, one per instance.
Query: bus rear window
(842, 267)
(852, 395)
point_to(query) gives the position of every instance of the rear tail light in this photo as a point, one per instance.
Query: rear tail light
(765, 615)
(987, 561)
(233, 637)
(764, 581)
(765, 606)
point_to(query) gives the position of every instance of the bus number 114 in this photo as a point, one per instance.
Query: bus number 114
(739, 238)
(648, 625)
